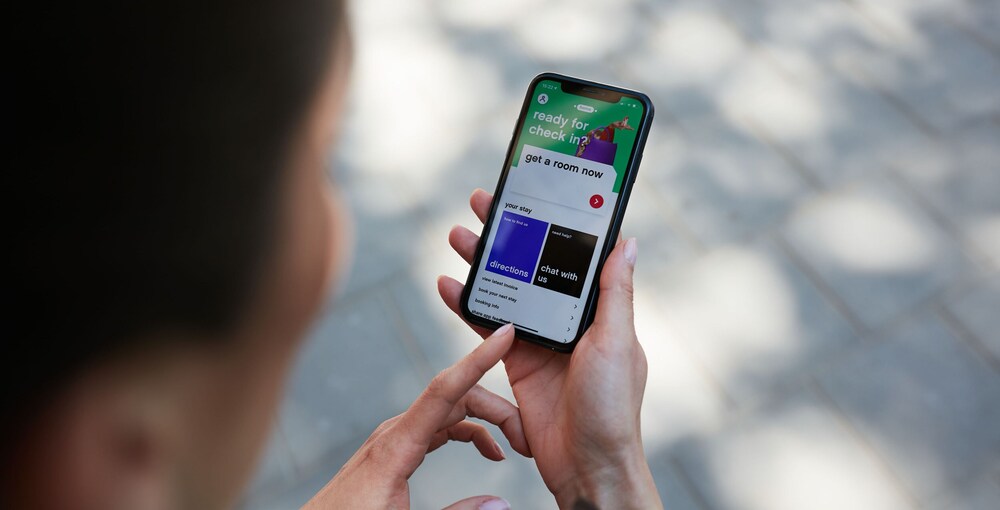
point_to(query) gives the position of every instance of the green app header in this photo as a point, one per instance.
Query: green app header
(580, 126)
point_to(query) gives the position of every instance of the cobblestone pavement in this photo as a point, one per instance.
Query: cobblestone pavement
(818, 215)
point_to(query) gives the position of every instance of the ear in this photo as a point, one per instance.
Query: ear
(97, 443)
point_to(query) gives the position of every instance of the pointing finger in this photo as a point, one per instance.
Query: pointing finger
(431, 409)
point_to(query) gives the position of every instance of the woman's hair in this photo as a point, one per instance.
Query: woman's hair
(149, 141)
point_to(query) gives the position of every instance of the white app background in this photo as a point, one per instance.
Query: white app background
(570, 192)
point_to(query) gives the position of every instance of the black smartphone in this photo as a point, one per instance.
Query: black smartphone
(557, 209)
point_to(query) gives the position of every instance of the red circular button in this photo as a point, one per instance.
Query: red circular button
(596, 201)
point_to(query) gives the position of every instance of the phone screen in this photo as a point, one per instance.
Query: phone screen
(570, 157)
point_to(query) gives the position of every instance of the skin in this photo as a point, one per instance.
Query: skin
(580, 412)
(181, 424)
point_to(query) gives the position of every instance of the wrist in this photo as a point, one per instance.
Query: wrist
(625, 483)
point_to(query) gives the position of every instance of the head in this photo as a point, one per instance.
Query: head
(174, 233)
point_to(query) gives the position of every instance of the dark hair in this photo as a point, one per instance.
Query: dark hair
(149, 142)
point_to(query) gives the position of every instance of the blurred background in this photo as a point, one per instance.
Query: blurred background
(818, 215)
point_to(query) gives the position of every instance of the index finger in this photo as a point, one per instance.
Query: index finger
(431, 409)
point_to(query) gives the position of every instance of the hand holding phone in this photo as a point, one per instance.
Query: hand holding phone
(557, 209)
(580, 414)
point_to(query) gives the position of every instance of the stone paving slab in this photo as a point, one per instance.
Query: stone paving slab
(981, 23)
(925, 401)
(440, 335)
(836, 129)
(981, 494)
(756, 323)
(673, 489)
(959, 176)
(977, 314)
(445, 192)
(725, 185)
(687, 56)
(875, 248)
(457, 471)
(551, 36)
(938, 72)
(683, 398)
(789, 457)
(306, 485)
(355, 351)
(665, 239)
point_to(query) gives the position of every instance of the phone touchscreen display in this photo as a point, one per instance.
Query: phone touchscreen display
(569, 162)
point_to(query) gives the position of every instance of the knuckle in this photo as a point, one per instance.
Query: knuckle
(373, 450)
(379, 451)
(439, 384)
(473, 402)
(466, 409)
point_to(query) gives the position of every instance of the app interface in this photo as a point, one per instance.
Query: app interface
(568, 167)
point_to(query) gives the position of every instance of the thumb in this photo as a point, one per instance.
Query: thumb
(614, 305)
(480, 503)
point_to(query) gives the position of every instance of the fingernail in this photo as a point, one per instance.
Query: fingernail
(495, 504)
(499, 450)
(631, 250)
(502, 330)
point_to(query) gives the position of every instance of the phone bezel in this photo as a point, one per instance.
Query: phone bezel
(583, 88)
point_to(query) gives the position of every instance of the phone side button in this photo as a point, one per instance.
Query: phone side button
(638, 163)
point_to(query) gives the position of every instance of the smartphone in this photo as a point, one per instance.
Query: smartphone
(557, 209)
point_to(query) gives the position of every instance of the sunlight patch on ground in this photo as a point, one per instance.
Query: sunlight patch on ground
(581, 30)
(986, 232)
(737, 307)
(869, 235)
(680, 401)
(484, 15)
(901, 20)
(757, 92)
(416, 103)
(798, 459)
(698, 45)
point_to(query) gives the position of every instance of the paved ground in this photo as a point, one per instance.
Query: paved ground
(818, 215)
